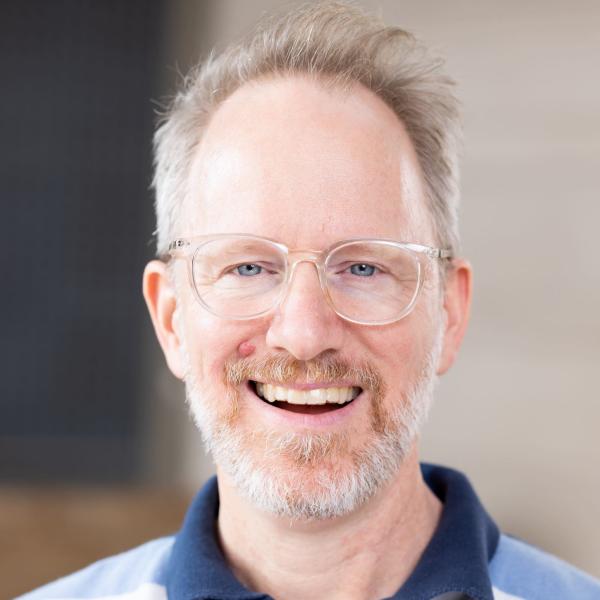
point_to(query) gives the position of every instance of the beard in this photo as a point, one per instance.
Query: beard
(308, 475)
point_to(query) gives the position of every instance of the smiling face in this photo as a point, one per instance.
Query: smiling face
(308, 414)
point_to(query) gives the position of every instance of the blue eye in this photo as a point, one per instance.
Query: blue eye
(363, 270)
(248, 270)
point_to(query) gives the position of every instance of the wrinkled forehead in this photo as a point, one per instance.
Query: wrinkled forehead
(295, 160)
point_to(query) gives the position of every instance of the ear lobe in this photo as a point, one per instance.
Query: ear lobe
(162, 305)
(457, 304)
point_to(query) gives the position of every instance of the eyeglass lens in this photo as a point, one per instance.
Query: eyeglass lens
(371, 281)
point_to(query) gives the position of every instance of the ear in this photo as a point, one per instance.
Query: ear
(162, 304)
(457, 304)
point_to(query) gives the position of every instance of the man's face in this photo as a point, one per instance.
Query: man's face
(292, 161)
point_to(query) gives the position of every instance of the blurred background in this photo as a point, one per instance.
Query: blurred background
(96, 451)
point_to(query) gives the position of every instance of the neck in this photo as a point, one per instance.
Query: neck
(367, 554)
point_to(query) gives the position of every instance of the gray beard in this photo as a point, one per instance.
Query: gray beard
(309, 475)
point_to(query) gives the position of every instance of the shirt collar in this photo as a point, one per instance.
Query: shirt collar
(455, 560)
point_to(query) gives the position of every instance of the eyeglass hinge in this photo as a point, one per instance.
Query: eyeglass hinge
(178, 244)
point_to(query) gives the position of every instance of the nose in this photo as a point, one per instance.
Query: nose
(304, 324)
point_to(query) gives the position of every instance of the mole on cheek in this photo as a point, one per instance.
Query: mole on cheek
(246, 349)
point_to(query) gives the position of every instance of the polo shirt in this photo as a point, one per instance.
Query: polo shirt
(466, 559)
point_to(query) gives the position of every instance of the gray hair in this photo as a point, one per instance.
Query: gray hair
(335, 43)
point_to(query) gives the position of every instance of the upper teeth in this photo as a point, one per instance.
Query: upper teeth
(335, 395)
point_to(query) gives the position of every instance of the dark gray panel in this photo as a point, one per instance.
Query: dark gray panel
(76, 123)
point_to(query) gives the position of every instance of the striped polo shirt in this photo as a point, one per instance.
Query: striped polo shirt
(466, 559)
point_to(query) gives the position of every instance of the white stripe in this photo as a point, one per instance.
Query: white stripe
(500, 595)
(147, 591)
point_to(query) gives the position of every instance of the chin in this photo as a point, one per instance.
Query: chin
(306, 475)
(311, 474)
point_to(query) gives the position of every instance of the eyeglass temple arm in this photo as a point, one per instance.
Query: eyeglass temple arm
(432, 252)
(442, 253)
(176, 249)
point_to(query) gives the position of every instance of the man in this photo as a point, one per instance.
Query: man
(309, 294)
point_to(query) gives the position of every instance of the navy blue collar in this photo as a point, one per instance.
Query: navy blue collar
(456, 559)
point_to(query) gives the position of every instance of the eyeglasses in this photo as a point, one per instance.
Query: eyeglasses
(365, 281)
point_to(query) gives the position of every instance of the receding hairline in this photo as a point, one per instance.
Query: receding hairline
(334, 88)
(377, 138)
(340, 45)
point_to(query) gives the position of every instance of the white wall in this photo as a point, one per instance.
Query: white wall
(520, 412)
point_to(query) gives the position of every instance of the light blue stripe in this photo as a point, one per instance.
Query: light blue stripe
(112, 576)
(523, 571)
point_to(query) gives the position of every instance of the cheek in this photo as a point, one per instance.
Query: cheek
(212, 341)
(403, 358)
(400, 352)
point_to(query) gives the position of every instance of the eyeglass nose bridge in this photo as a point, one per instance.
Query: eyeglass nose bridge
(317, 258)
(295, 257)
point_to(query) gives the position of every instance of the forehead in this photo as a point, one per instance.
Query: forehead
(306, 164)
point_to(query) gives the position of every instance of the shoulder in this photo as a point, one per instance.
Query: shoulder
(521, 571)
(133, 575)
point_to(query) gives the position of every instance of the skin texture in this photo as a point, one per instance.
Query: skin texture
(307, 165)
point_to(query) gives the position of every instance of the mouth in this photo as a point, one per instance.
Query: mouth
(316, 400)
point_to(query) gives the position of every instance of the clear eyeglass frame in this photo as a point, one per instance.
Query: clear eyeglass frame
(187, 248)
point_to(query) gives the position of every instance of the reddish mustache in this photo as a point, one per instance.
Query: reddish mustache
(286, 369)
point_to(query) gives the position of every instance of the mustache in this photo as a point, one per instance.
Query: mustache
(283, 368)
